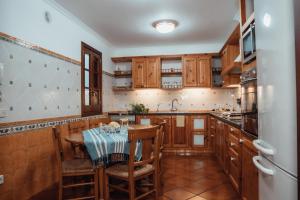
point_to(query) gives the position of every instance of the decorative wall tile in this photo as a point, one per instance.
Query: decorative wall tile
(33, 80)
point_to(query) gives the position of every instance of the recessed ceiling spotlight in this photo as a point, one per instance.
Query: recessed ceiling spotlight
(165, 26)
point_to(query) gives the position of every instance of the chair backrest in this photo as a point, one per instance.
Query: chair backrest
(94, 123)
(150, 155)
(162, 124)
(58, 147)
(77, 127)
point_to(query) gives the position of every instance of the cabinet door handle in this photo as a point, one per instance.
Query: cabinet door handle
(232, 158)
(232, 144)
(231, 129)
(212, 135)
(261, 168)
(241, 141)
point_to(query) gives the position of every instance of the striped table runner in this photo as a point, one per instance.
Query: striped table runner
(103, 143)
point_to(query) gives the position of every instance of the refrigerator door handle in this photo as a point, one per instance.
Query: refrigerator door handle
(261, 168)
(263, 149)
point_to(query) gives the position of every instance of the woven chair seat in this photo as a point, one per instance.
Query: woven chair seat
(77, 166)
(121, 170)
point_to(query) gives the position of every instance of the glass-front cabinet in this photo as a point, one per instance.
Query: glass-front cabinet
(199, 131)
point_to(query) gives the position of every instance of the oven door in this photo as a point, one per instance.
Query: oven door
(249, 106)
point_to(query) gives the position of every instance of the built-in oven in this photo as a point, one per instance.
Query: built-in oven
(249, 47)
(249, 102)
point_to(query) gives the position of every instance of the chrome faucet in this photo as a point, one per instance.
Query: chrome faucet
(173, 101)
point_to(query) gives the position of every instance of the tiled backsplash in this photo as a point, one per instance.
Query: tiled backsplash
(189, 99)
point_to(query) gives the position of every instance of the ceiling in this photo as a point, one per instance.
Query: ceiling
(128, 23)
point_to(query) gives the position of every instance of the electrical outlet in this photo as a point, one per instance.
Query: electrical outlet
(1, 179)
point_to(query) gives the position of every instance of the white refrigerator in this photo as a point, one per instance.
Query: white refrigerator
(276, 82)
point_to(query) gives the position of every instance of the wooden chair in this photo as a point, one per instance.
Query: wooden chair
(74, 168)
(77, 128)
(94, 123)
(137, 170)
(162, 127)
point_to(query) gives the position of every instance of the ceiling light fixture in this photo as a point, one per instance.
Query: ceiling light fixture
(165, 26)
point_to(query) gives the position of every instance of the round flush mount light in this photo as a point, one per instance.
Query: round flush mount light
(165, 26)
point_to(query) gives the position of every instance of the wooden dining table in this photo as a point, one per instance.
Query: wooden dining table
(77, 140)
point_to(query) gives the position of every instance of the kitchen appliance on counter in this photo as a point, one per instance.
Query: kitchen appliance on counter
(249, 102)
(277, 107)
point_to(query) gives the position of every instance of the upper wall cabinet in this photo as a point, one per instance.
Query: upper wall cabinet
(197, 71)
(146, 72)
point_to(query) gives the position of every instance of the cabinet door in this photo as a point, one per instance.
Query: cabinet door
(249, 171)
(204, 72)
(153, 73)
(190, 71)
(139, 72)
(179, 133)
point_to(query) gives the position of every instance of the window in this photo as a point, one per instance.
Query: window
(91, 81)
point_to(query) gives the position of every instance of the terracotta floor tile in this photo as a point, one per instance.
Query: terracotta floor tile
(179, 194)
(202, 185)
(197, 198)
(222, 192)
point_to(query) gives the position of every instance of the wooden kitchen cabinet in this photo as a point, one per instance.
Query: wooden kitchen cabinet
(212, 134)
(234, 150)
(146, 72)
(229, 54)
(249, 171)
(197, 71)
(139, 72)
(180, 136)
(198, 127)
(153, 72)
(190, 71)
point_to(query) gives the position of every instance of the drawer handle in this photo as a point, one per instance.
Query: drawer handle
(261, 168)
(265, 150)
(212, 135)
(231, 129)
(232, 158)
(241, 141)
(232, 144)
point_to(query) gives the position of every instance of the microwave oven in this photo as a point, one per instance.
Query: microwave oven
(249, 47)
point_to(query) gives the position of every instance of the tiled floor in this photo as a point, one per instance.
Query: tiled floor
(194, 178)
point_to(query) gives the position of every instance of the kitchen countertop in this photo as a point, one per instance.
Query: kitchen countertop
(218, 115)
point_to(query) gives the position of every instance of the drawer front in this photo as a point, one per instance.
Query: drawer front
(234, 143)
(235, 176)
(212, 122)
(234, 131)
(234, 158)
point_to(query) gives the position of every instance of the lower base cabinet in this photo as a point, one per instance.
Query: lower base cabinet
(235, 151)
(184, 134)
(249, 171)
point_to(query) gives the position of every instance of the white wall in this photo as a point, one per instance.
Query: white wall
(169, 50)
(24, 19)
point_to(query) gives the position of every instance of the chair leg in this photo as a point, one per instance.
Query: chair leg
(96, 180)
(156, 184)
(106, 183)
(131, 189)
(60, 189)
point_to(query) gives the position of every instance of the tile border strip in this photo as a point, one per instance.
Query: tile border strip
(39, 49)
(9, 130)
